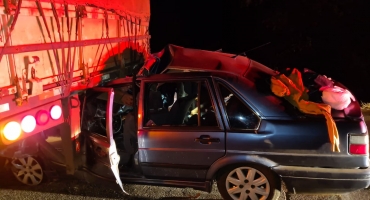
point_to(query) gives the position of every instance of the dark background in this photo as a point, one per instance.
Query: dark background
(331, 37)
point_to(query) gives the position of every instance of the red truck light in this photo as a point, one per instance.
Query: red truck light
(33, 121)
(28, 123)
(12, 131)
(42, 117)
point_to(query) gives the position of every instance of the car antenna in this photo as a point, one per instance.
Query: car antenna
(244, 52)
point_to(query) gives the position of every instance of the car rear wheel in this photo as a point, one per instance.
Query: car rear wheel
(248, 183)
(28, 170)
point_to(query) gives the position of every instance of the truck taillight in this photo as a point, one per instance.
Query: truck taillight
(359, 144)
(12, 131)
(34, 121)
(28, 124)
(42, 117)
(55, 112)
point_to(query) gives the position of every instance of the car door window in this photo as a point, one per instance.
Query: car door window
(94, 112)
(95, 109)
(239, 115)
(178, 103)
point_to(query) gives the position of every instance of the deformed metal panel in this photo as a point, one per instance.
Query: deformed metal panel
(53, 37)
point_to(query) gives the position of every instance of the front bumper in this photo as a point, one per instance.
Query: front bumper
(323, 180)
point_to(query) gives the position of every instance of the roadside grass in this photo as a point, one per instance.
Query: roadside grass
(366, 112)
(365, 106)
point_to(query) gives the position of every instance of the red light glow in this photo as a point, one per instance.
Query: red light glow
(42, 117)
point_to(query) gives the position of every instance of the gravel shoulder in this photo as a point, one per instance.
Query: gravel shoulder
(73, 189)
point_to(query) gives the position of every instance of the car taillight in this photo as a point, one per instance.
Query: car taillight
(28, 123)
(42, 117)
(359, 144)
(12, 131)
(55, 112)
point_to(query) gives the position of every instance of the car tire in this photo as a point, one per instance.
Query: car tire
(28, 170)
(239, 182)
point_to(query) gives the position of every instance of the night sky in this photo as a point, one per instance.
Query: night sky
(195, 24)
(331, 37)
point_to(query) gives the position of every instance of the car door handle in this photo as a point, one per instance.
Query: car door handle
(206, 139)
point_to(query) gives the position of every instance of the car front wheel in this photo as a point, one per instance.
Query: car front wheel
(248, 183)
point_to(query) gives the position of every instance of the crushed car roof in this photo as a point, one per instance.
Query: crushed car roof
(176, 57)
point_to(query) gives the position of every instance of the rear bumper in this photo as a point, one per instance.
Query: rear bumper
(323, 180)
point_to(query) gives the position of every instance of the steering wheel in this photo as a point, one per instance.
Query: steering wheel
(117, 123)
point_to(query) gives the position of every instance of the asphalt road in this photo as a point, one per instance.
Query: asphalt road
(73, 189)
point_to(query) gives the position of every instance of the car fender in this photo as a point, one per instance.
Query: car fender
(20, 149)
(237, 159)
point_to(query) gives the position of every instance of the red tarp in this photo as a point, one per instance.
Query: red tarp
(133, 9)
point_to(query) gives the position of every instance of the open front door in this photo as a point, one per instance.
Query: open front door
(101, 151)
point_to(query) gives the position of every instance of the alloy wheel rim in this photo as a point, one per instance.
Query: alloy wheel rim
(28, 171)
(247, 183)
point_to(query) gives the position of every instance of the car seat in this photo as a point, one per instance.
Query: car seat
(155, 102)
(156, 111)
(180, 109)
